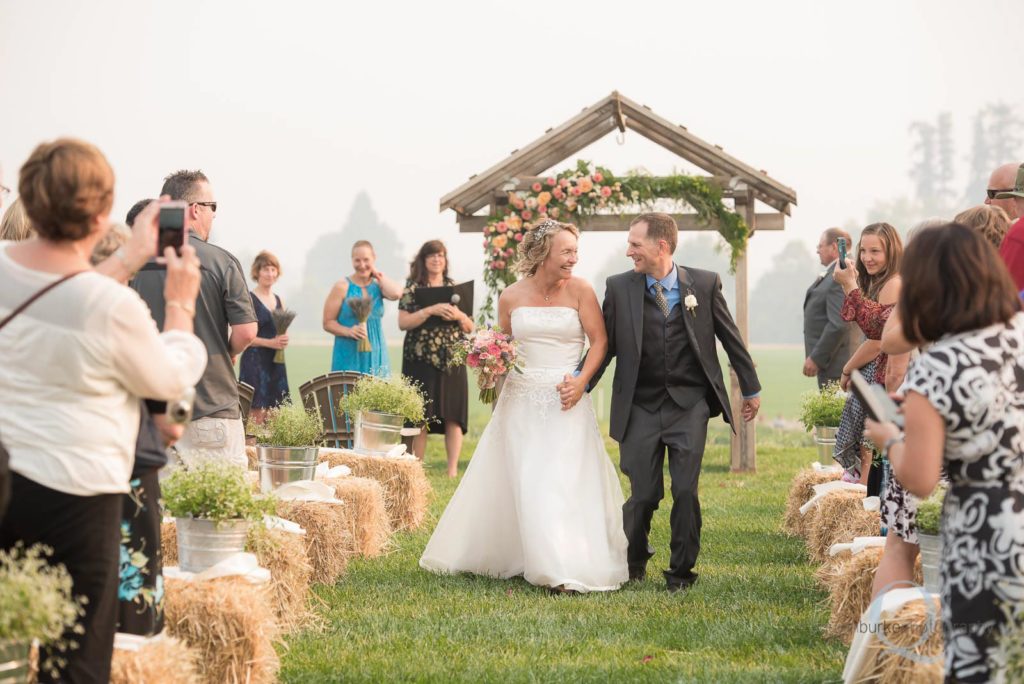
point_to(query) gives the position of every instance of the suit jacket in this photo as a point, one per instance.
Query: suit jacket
(623, 317)
(828, 339)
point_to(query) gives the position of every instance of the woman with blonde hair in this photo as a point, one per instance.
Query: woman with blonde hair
(988, 219)
(15, 225)
(540, 497)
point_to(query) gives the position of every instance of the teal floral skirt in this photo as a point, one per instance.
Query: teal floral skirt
(140, 589)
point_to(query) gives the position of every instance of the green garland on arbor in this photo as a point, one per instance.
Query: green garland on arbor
(584, 191)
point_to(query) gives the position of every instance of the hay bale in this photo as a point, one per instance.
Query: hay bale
(284, 554)
(800, 492)
(169, 543)
(231, 622)
(908, 630)
(368, 517)
(840, 517)
(163, 660)
(251, 458)
(849, 591)
(406, 488)
(328, 540)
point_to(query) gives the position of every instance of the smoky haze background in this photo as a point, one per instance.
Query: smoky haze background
(320, 123)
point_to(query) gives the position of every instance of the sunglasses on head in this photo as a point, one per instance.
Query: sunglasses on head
(992, 193)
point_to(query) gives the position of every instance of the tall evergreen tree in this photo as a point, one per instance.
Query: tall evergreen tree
(923, 170)
(979, 162)
(776, 302)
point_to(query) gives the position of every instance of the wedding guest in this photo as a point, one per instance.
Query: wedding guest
(1002, 180)
(269, 379)
(15, 225)
(339, 320)
(72, 432)
(427, 351)
(141, 580)
(871, 284)
(828, 339)
(224, 321)
(963, 413)
(989, 220)
(1012, 248)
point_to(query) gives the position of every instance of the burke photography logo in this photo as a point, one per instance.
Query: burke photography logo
(874, 623)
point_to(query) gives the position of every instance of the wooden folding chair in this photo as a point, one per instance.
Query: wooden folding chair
(245, 392)
(324, 393)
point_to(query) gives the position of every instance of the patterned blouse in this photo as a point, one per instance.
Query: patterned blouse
(871, 317)
(434, 344)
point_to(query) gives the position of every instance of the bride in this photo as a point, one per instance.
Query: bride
(540, 497)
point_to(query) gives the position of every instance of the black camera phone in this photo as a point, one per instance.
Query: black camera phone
(842, 251)
(171, 227)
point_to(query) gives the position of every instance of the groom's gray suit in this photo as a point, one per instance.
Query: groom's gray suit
(668, 383)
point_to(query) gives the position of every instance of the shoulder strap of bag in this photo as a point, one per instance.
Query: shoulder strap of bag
(27, 303)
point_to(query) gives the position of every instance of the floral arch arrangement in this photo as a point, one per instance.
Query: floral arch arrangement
(584, 191)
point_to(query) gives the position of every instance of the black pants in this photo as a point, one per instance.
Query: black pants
(682, 432)
(83, 532)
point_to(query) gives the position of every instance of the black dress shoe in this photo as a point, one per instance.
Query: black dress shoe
(637, 573)
(677, 584)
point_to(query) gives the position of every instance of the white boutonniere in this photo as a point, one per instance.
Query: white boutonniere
(690, 302)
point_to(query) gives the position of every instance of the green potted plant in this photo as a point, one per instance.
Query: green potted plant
(35, 603)
(820, 412)
(287, 445)
(929, 515)
(380, 407)
(212, 505)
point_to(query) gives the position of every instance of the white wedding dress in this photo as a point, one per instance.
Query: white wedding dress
(540, 497)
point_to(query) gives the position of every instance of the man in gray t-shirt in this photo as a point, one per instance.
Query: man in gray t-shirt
(224, 321)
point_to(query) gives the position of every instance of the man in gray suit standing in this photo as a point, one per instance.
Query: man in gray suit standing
(663, 321)
(828, 339)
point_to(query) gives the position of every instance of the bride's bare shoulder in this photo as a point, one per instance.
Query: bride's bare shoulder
(580, 286)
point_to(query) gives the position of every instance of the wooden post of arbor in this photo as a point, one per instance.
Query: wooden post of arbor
(744, 442)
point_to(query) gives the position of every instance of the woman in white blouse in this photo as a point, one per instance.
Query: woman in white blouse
(73, 366)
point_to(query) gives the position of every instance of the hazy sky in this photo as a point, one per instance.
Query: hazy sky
(292, 108)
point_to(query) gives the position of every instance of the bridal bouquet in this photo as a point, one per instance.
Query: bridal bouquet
(361, 308)
(492, 353)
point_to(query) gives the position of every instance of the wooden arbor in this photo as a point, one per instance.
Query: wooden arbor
(486, 193)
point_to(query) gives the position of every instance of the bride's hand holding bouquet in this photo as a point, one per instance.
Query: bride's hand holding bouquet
(492, 354)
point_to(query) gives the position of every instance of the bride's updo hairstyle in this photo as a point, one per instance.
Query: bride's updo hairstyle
(536, 244)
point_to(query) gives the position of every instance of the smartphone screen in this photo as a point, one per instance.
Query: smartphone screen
(171, 229)
(842, 252)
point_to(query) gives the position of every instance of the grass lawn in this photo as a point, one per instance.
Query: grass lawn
(755, 615)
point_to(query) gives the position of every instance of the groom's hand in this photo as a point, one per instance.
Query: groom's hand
(750, 408)
(570, 390)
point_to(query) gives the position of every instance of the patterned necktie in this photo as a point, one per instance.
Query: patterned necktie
(659, 298)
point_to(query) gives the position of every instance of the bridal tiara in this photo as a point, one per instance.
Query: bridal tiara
(545, 227)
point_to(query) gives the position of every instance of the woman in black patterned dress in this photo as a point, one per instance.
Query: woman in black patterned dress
(428, 349)
(964, 411)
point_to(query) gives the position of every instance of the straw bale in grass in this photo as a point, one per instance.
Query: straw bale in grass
(840, 518)
(850, 591)
(251, 457)
(164, 660)
(169, 543)
(914, 629)
(328, 539)
(368, 517)
(231, 622)
(284, 554)
(406, 488)
(800, 492)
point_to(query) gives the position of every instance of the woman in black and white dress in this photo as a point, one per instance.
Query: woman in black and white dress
(964, 411)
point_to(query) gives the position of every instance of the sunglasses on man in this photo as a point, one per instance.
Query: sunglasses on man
(213, 205)
(990, 192)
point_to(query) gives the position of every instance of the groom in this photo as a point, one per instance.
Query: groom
(662, 321)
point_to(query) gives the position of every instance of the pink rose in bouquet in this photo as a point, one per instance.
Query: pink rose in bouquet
(493, 354)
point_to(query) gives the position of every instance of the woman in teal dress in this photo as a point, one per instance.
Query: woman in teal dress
(340, 321)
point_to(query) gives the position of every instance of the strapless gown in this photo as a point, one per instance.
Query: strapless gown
(540, 497)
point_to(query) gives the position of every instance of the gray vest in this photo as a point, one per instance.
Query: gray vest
(669, 367)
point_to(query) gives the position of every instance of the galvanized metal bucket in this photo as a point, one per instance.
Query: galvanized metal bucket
(378, 433)
(204, 543)
(14, 661)
(825, 438)
(931, 552)
(282, 465)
